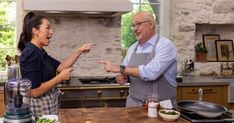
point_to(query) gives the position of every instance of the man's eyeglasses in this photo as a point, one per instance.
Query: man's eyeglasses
(138, 24)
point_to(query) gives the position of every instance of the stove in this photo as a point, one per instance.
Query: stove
(227, 117)
(93, 91)
(93, 81)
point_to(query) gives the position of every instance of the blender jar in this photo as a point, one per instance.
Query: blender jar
(18, 101)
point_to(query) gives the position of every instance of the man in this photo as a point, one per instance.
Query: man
(150, 63)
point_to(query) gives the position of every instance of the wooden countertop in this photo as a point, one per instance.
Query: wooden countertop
(109, 115)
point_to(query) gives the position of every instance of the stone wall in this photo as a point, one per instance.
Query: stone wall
(185, 14)
(72, 32)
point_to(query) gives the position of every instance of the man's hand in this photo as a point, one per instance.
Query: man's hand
(121, 79)
(110, 67)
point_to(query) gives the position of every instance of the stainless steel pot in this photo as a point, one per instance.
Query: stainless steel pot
(201, 108)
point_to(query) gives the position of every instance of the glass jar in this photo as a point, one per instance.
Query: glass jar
(13, 72)
(152, 103)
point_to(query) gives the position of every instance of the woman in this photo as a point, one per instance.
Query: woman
(44, 71)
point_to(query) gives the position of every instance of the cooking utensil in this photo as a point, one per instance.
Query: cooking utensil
(201, 108)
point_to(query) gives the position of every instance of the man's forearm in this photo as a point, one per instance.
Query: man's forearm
(132, 71)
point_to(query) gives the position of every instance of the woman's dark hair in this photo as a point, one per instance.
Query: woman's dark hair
(31, 21)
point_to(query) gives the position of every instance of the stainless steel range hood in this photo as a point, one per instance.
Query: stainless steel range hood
(79, 7)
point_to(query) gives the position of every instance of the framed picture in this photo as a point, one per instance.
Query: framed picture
(209, 44)
(224, 50)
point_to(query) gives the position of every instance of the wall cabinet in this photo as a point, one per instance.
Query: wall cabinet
(213, 94)
(231, 106)
(2, 105)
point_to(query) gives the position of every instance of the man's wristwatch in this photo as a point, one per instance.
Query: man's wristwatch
(122, 68)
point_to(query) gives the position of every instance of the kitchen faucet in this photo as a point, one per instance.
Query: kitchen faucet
(199, 94)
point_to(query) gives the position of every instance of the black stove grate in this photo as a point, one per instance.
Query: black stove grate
(194, 118)
(98, 80)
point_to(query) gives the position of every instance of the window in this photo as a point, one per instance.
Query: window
(7, 31)
(127, 35)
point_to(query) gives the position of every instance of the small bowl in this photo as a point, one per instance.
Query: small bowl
(51, 117)
(169, 115)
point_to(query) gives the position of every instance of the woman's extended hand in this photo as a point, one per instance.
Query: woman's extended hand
(86, 47)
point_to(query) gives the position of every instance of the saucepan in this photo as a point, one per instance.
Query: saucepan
(201, 108)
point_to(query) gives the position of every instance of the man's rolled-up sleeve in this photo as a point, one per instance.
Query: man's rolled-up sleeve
(164, 57)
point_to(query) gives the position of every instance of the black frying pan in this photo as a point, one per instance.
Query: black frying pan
(201, 108)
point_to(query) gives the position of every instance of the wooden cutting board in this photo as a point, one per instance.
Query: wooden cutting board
(109, 115)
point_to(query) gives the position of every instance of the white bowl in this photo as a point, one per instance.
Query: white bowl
(51, 117)
(169, 117)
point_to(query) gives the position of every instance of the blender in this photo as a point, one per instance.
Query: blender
(18, 101)
(17, 97)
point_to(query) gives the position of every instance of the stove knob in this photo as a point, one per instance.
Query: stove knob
(121, 93)
(99, 93)
(63, 93)
(105, 105)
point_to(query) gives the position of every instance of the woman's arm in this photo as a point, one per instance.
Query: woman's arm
(74, 56)
(46, 86)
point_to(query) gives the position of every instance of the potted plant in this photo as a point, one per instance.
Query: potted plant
(201, 52)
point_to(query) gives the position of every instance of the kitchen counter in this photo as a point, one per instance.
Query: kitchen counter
(109, 115)
(134, 115)
(216, 89)
(2, 83)
(1, 88)
(187, 81)
(204, 81)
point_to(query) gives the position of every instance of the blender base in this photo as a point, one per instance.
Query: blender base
(17, 118)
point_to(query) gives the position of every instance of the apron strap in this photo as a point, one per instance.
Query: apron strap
(155, 44)
(155, 87)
